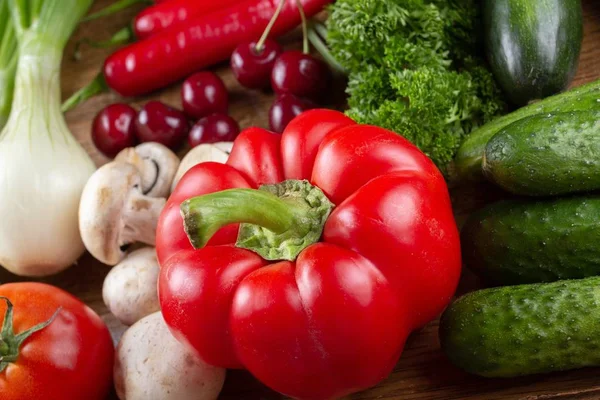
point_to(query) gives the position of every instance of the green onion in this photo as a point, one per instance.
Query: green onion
(8, 61)
(43, 169)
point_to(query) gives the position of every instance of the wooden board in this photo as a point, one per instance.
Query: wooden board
(423, 372)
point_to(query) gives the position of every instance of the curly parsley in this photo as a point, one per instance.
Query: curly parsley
(415, 68)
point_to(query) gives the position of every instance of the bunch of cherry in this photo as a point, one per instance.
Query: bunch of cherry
(204, 99)
(300, 80)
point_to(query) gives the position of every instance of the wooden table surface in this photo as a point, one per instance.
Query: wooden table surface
(423, 371)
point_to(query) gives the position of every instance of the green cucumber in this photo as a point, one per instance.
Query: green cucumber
(533, 46)
(470, 155)
(524, 330)
(523, 241)
(546, 155)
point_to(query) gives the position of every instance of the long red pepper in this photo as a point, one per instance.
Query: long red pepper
(175, 53)
(166, 14)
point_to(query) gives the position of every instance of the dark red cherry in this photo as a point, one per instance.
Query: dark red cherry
(252, 67)
(157, 122)
(284, 109)
(214, 128)
(113, 129)
(301, 75)
(204, 93)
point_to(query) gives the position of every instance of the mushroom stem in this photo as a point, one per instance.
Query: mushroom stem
(140, 219)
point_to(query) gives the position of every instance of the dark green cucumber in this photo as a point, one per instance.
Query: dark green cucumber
(519, 241)
(546, 155)
(470, 155)
(523, 330)
(533, 46)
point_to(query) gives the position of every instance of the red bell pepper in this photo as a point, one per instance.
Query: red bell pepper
(200, 42)
(163, 15)
(349, 244)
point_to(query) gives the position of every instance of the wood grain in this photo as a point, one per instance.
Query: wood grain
(423, 372)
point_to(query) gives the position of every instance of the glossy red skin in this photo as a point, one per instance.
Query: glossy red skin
(157, 122)
(72, 358)
(334, 321)
(166, 14)
(212, 129)
(113, 129)
(300, 144)
(284, 109)
(204, 93)
(301, 75)
(173, 54)
(252, 68)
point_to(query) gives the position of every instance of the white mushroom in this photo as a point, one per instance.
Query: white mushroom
(216, 152)
(130, 288)
(114, 213)
(151, 364)
(157, 165)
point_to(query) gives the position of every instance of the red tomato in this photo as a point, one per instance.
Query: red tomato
(70, 359)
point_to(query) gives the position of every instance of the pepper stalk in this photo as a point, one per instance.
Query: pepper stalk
(278, 221)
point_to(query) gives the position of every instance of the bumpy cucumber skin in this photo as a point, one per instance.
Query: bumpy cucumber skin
(533, 46)
(467, 162)
(518, 241)
(545, 155)
(524, 330)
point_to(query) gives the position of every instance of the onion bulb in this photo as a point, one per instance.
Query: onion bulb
(43, 169)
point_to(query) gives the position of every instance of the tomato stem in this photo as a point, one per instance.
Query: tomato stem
(261, 43)
(277, 221)
(11, 343)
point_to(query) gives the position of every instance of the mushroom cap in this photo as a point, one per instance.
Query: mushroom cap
(157, 165)
(130, 289)
(102, 207)
(215, 152)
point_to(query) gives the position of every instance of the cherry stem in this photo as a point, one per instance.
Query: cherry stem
(261, 43)
(305, 45)
(321, 47)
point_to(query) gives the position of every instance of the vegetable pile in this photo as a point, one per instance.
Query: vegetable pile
(415, 67)
(309, 252)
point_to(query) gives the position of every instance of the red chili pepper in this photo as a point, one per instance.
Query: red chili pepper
(167, 14)
(175, 53)
(354, 245)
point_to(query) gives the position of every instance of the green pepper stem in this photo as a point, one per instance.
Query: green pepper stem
(205, 215)
(123, 36)
(95, 87)
(114, 8)
(278, 221)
